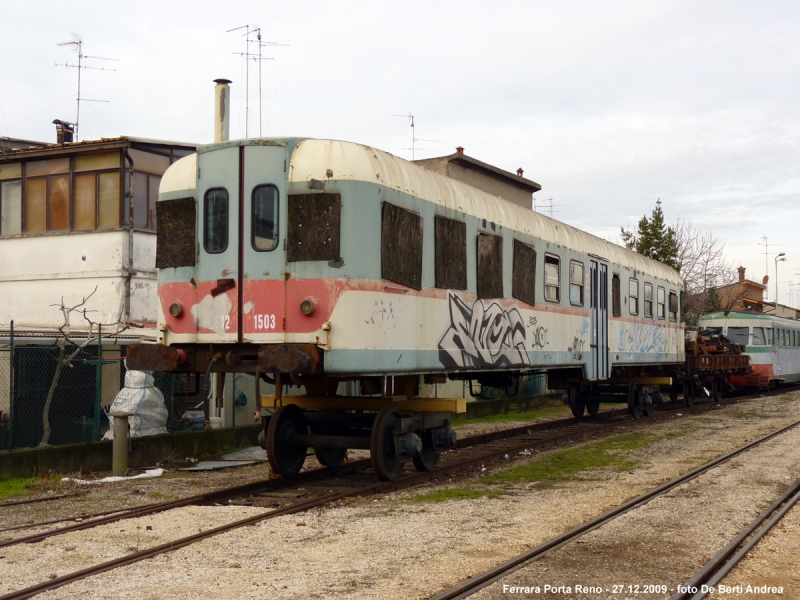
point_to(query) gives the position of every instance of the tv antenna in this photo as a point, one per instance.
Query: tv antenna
(414, 138)
(247, 55)
(547, 205)
(76, 43)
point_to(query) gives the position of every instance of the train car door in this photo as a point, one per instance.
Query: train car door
(263, 250)
(218, 274)
(598, 294)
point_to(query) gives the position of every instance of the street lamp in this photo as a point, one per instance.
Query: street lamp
(777, 260)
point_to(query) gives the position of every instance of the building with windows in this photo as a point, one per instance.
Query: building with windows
(80, 217)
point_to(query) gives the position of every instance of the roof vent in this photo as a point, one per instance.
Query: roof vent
(64, 131)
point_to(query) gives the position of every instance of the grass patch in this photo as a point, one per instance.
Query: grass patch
(458, 494)
(566, 464)
(16, 486)
(549, 411)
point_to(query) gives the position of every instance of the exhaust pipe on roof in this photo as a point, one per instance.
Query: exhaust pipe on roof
(222, 110)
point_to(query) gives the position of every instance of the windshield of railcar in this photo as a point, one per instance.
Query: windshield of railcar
(739, 335)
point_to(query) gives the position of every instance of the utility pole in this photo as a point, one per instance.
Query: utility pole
(76, 43)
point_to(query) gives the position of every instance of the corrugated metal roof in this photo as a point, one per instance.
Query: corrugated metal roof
(102, 143)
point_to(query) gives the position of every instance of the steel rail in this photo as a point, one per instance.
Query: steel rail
(490, 576)
(722, 562)
(41, 499)
(266, 485)
(374, 488)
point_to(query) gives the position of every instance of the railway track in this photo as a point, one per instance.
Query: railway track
(710, 574)
(322, 486)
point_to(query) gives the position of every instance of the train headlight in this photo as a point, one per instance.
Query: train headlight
(307, 307)
(175, 309)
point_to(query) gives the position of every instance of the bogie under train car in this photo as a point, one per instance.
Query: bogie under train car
(773, 344)
(317, 262)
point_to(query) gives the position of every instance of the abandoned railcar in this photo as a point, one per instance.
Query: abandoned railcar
(320, 261)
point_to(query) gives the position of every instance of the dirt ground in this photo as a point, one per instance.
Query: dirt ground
(408, 545)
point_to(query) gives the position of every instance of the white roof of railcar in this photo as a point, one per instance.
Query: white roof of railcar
(312, 159)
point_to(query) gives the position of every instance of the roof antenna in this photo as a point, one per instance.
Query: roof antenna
(414, 138)
(247, 55)
(77, 46)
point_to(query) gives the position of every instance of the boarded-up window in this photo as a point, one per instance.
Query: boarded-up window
(401, 246)
(490, 266)
(313, 232)
(523, 273)
(673, 306)
(215, 221)
(552, 278)
(451, 253)
(175, 233)
(616, 300)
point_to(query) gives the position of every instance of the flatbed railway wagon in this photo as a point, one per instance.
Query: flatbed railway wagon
(316, 262)
(772, 343)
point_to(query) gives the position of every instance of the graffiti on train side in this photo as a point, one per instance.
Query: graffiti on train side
(383, 315)
(484, 335)
(578, 343)
(638, 337)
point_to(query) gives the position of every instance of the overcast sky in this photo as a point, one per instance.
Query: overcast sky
(607, 105)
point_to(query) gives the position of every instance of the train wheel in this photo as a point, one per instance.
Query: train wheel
(593, 406)
(329, 457)
(673, 394)
(688, 395)
(428, 459)
(635, 400)
(386, 464)
(285, 456)
(577, 403)
(716, 390)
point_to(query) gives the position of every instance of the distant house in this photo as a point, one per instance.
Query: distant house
(742, 295)
(75, 216)
(486, 177)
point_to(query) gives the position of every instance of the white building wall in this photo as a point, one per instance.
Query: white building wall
(36, 272)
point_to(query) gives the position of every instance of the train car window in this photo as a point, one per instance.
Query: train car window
(401, 246)
(552, 279)
(523, 278)
(215, 220)
(661, 303)
(490, 266)
(264, 222)
(673, 306)
(759, 339)
(176, 233)
(633, 288)
(576, 283)
(768, 331)
(450, 248)
(616, 303)
(313, 227)
(648, 300)
(739, 335)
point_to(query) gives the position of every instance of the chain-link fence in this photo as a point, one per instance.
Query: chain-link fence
(62, 393)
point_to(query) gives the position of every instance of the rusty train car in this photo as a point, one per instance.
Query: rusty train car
(316, 262)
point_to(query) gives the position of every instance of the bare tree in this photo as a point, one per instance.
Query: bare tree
(66, 358)
(707, 274)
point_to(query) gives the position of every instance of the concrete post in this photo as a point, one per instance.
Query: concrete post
(119, 459)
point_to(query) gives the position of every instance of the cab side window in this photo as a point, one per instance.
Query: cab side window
(215, 220)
